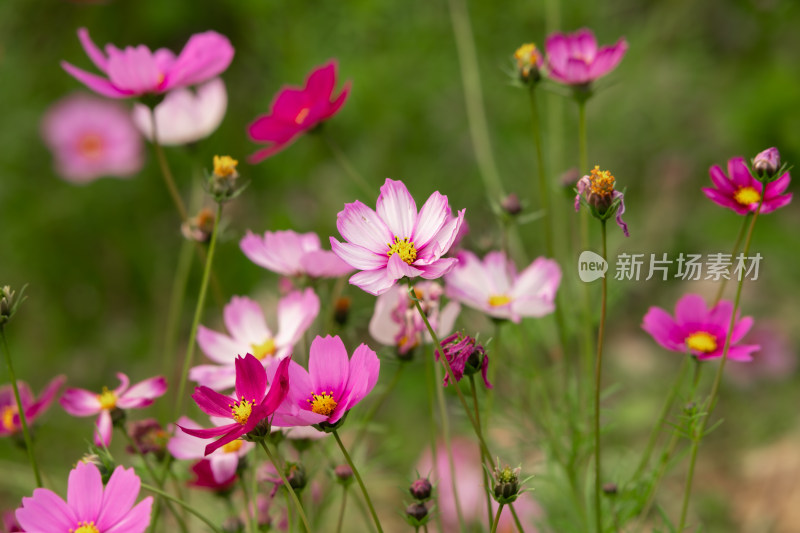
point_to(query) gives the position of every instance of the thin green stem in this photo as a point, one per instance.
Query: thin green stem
(497, 518)
(378, 403)
(250, 510)
(432, 384)
(340, 521)
(183, 504)
(583, 165)
(597, 386)
(359, 480)
(289, 488)
(486, 485)
(348, 167)
(166, 173)
(198, 313)
(544, 190)
(176, 305)
(23, 422)
(516, 518)
(724, 280)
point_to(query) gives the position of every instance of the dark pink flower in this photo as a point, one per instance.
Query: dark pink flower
(204, 477)
(293, 254)
(396, 241)
(9, 413)
(296, 110)
(255, 399)
(740, 191)
(223, 462)
(574, 59)
(698, 330)
(90, 507)
(136, 71)
(465, 356)
(81, 402)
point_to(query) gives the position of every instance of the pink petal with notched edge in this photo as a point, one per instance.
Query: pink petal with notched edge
(721, 181)
(212, 403)
(134, 69)
(45, 511)
(270, 128)
(740, 174)
(430, 220)
(218, 346)
(320, 83)
(118, 497)
(660, 325)
(439, 268)
(337, 104)
(296, 312)
(359, 224)
(363, 375)
(778, 186)
(103, 429)
(499, 272)
(724, 201)
(245, 321)
(143, 393)
(328, 365)
(397, 209)
(251, 378)
(691, 310)
(279, 388)
(374, 282)
(396, 268)
(80, 402)
(775, 203)
(204, 56)
(357, 256)
(137, 520)
(85, 492)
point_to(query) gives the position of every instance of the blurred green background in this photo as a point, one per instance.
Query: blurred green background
(701, 82)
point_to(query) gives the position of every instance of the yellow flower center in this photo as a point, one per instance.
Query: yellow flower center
(404, 247)
(233, 446)
(496, 300)
(8, 417)
(225, 165)
(747, 196)
(701, 342)
(85, 527)
(301, 116)
(242, 410)
(107, 399)
(265, 349)
(602, 182)
(407, 342)
(527, 56)
(90, 146)
(322, 404)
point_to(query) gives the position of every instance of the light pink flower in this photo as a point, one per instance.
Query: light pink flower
(296, 110)
(396, 241)
(397, 323)
(249, 333)
(81, 402)
(698, 330)
(775, 361)
(90, 507)
(494, 287)
(223, 461)
(741, 192)
(293, 254)
(136, 71)
(574, 59)
(9, 412)
(90, 138)
(184, 116)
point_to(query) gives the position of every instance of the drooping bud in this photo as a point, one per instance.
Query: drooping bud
(199, 227)
(421, 489)
(767, 163)
(529, 61)
(466, 357)
(596, 191)
(9, 303)
(506, 484)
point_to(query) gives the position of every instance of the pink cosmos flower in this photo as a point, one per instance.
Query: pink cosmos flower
(740, 191)
(184, 116)
(698, 330)
(90, 138)
(332, 385)
(397, 323)
(574, 59)
(296, 110)
(293, 254)
(136, 71)
(223, 461)
(461, 350)
(494, 287)
(249, 333)
(204, 478)
(9, 412)
(81, 402)
(396, 241)
(10, 524)
(597, 192)
(90, 507)
(254, 400)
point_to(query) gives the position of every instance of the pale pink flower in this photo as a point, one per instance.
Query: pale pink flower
(91, 138)
(33, 408)
(293, 254)
(249, 333)
(575, 59)
(396, 241)
(223, 461)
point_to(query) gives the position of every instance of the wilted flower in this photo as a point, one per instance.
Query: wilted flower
(223, 461)
(396, 241)
(136, 71)
(91, 138)
(699, 331)
(574, 59)
(293, 254)
(295, 111)
(199, 227)
(465, 356)
(149, 437)
(740, 191)
(9, 413)
(597, 191)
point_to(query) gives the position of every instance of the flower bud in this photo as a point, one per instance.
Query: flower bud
(199, 227)
(417, 510)
(9, 302)
(610, 489)
(511, 204)
(529, 61)
(767, 163)
(506, 484)
(222, 184)
(149, 437)
(296, 475)
(421, 489)
(343, 473)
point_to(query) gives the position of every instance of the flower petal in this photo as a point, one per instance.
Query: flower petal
(45, 512)
(142, 394)
(360, 225)
(80, 402)
(94, 82)
(118, 498)
(251, 379)
(296, 312)
(374, 282)
(397, 209)
(85, 492)
(223, 466)
(328, 366)
(245, 321)
(212, 403)
(430, 219)
(104, 427)
(137, 519)
(219, 347)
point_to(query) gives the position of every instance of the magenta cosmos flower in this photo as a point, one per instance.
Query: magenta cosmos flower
(81, 402)
(90, 507)
(396, 241)
(494, 286)
(296, 110)
(293, 254)
(740, 191)
(9, 412)
(255, 399)
(574, 59)
(332, 385)
(136, 71)
(249, 333)
(90, 138)
(698, 330)
(223, 461)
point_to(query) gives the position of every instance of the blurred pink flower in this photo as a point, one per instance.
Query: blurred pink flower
(397, 241)
(574, 59)
(9, 413)
(249, 333)
(81, 402)
(184, 116)
(296, 110)
(775, 361)
(397, 323)
(204, 478)
(90, 138)
(136, 71)
(223, 462)
(10, 524)
(494, 287)
(90, 507)
(461, 350)
(698, 330)
(740, 191)
(293, 254)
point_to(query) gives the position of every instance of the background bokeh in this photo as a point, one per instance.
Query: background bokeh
(701, 82)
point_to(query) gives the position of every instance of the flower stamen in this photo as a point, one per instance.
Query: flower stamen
(301, 116)
(8, 417)
(601, 182)
(85, 527)
(242, 410)
(265, 349)
(404, 247)
(323, 404)
(107, 399)
(497, 300)
(701, 341)
(747, 196)
(233, 446)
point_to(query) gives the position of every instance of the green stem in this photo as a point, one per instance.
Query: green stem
(250, 511)
(597, 385)
(198, 313)
(288, 486)
(378, 403)
(183, 504)
(724, 280)
(176, 305)
(497, 518)
(359, 480)
(166, 173)
(341, 509)
(486, 485)
(544, 190)
(348, 167)
(23, 422)
(432, 382)
(516, 518)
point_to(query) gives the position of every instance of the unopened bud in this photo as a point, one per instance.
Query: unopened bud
(767, 163)
(9, 302)
(296, 475)
(418, 511)
(222, 184)
(511, 204)
(506, 484)
(343, 473)
(529, 61)
(421, 489)
(610, 489)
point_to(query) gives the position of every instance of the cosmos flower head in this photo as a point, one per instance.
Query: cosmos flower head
(293, 254)
(575, 59)
(31, 406)
(741, 192)
(223, 461)
(597, 192)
